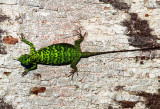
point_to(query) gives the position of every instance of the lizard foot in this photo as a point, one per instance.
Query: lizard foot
(72, 74)
(79, 33)
(24, 73)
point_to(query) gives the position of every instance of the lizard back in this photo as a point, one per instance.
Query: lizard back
(57, 54)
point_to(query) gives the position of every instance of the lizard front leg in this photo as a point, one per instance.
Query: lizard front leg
(29, 69)
(32, 49)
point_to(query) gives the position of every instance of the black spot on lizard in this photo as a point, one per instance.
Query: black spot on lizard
(60, 54)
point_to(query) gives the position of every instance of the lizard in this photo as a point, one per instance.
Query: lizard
(61, 54)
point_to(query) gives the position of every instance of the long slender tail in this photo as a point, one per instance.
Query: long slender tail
(88, 54)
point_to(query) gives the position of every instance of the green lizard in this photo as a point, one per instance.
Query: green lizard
(60, 54)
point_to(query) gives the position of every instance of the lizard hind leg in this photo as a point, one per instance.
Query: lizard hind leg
(74, 67)
(78, 42)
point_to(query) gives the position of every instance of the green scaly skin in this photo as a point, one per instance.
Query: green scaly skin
(56, 54)
(61, 54)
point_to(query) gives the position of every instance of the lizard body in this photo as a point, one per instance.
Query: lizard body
(60, 54)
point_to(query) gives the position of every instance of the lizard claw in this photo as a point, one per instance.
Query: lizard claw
(22, 37)
(72, 74)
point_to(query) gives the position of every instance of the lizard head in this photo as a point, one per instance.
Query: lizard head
(25, 59)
